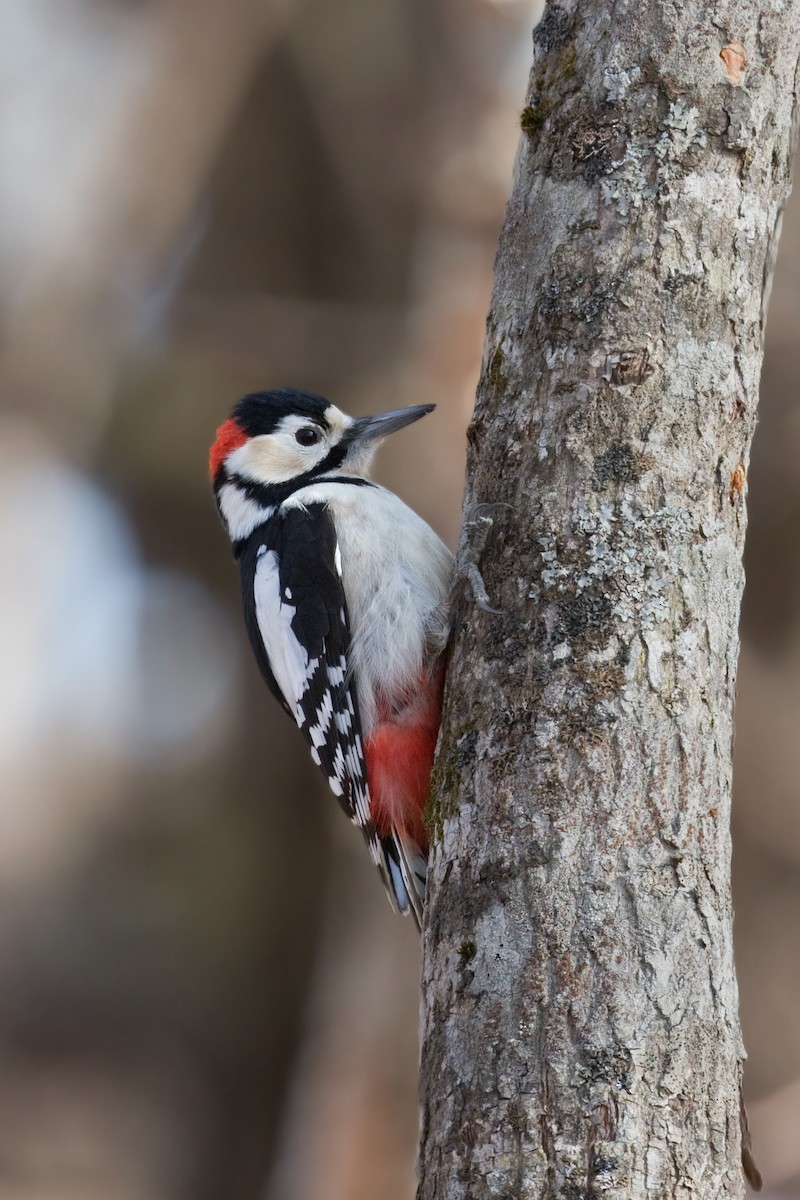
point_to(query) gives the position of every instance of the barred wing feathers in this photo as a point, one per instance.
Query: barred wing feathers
(297, 618)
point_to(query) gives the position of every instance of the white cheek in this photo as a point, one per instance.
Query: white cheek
(271, 459)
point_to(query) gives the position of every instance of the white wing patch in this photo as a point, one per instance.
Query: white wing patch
(287, 658)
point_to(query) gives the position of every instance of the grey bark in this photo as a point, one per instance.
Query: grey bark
(581, 1033)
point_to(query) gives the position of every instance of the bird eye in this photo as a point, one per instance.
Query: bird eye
(307, 435)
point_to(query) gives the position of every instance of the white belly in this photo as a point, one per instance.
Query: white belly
(396, 573)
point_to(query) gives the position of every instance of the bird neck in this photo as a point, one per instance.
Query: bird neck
(245, 504)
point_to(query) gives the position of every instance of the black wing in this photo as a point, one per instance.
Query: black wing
(296, 615)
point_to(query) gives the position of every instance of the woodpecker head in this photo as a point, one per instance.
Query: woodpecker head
(275, 442)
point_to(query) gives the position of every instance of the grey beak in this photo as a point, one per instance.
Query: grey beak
(366, 429)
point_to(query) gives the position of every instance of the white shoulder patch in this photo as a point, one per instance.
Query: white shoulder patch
(288, 659)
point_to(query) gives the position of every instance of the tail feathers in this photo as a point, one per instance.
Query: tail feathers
(408, 869)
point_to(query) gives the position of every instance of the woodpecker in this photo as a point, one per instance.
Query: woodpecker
(345, 592)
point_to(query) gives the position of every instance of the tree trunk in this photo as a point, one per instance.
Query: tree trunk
(581, 1035)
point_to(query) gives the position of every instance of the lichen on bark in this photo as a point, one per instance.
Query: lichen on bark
(588, 1044)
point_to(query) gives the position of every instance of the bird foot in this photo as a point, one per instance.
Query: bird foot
(467, 579)
(480, 519)
(476, 589)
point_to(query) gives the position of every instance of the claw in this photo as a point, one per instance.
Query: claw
(487, 506)
(480, 515)
(477, 587)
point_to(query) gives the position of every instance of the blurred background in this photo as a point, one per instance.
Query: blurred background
(203, 993)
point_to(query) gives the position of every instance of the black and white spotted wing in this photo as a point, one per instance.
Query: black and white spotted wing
(297, 619)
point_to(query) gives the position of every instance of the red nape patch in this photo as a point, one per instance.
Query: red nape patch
(230, 435)
(399, 760)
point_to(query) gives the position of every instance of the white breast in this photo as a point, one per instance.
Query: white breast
(396, 573)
